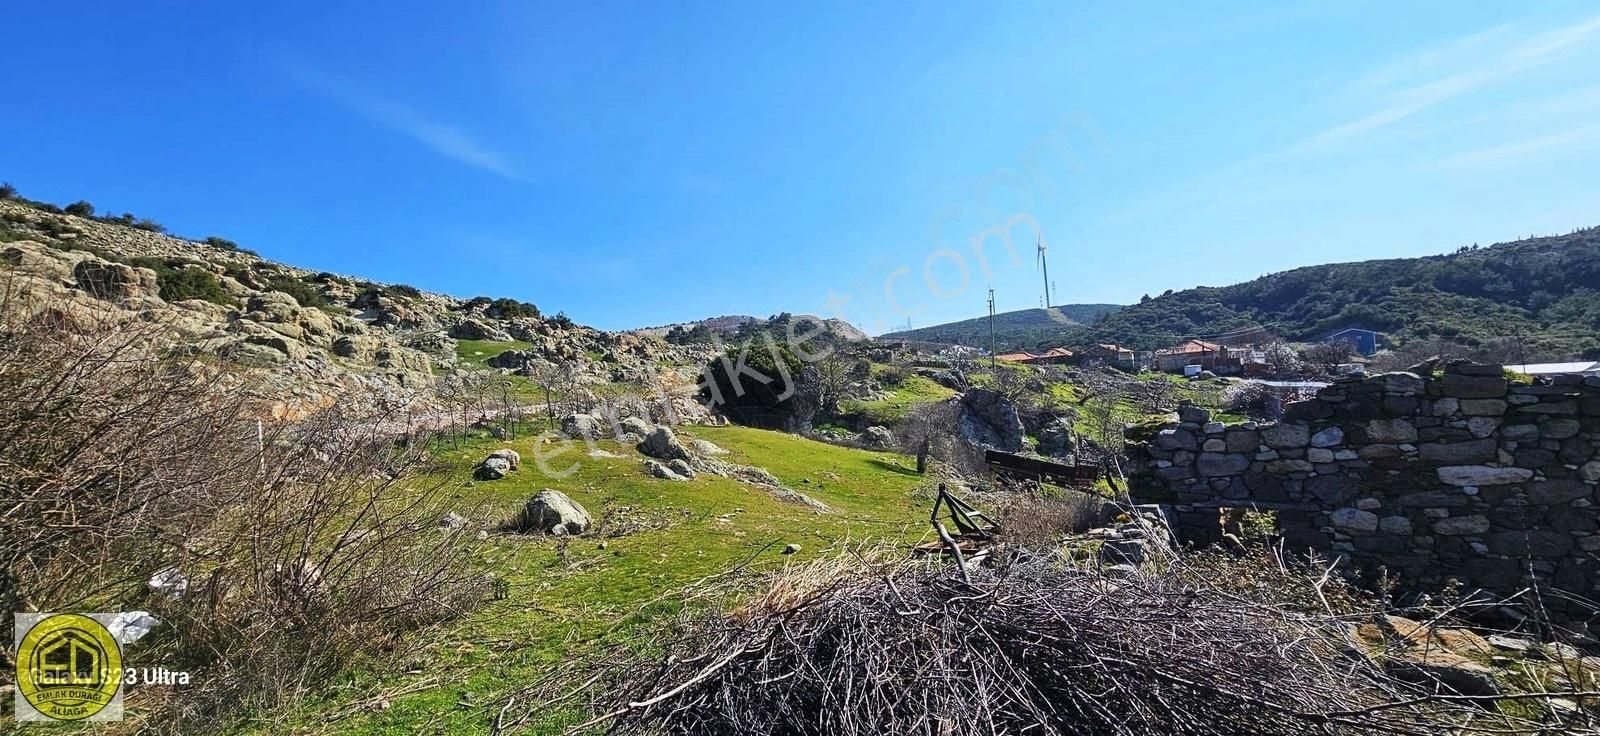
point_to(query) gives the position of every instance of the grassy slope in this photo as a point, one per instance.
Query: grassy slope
(903, 398)
(556, 607)
(478, 352)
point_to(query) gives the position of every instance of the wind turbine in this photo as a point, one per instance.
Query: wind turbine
(1044, 265)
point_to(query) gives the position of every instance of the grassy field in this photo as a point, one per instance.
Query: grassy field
(564, 597)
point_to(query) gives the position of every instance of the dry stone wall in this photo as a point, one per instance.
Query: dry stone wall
(1453, 471)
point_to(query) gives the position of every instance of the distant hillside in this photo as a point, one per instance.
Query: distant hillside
(1544, 290)
(1025, 328)
(728, 326)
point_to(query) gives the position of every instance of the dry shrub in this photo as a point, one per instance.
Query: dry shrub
(848, 647)
(1039, 521)
(1246, 397)
(304, 545)
(1264, 574)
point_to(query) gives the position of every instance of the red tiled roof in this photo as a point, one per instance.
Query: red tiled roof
(1192, 346)
(1016, 357)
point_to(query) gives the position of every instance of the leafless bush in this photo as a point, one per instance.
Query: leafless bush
(1246, 397)
(933, 432)
(1040, 522)
(845, 647)
(302, 545)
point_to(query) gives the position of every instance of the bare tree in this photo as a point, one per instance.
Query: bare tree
(1328, 355)
(1281, 358)
(834, 373)
(933, 431)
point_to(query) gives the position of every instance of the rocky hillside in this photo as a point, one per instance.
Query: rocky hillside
(731, 326)
(313, 335)
(1024, 329)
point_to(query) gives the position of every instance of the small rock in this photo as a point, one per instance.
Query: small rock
(492, 468)
(791, 548)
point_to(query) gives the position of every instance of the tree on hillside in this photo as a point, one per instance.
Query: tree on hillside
(81, 208)
(933, 432)
(7, 191)
(833, 372)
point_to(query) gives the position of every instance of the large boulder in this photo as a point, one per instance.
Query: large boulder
(553, 512)
(472, 329)
(990, 420)
(662, 444)
(581, 427)
(356, 347)
(877, 438)
(492, 468)
(1055, 439)
(114, 281)
(509, 455)
(635, 425)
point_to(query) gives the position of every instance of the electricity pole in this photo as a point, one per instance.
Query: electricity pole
(992, 359)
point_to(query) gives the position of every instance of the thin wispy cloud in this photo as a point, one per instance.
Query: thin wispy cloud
(1458, 67)
(443, 139)
(1527, 150)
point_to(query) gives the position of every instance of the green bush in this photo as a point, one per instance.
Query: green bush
(504, 308)
(191, 282)
(226, 244)
(304, 292)
(81, 208)
(409, 292)
(7, 191)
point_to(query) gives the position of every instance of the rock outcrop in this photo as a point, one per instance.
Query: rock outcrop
(990, 420)
(662, 444)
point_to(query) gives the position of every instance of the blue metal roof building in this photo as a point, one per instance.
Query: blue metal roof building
(1365, 342)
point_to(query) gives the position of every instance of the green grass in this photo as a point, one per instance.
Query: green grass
(555, 608)
(888, 411)
(478, 352)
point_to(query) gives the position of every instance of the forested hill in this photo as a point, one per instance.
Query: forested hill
(1547, 290)
(1544, 290)
(1022, 327)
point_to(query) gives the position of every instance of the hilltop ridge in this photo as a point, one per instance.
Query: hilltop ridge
(1542, 292)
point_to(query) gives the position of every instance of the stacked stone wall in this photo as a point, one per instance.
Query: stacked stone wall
(1453, 471)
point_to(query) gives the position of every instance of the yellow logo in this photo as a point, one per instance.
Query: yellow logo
(69, 667)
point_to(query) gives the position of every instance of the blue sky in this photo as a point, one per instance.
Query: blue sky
(636, 165)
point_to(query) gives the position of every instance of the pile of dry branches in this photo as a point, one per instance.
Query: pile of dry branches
(836, 648)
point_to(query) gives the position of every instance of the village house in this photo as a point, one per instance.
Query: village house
(1106, 354)
(1209, 356)
(1054, 356)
